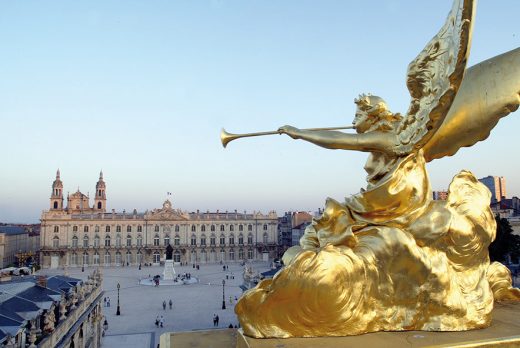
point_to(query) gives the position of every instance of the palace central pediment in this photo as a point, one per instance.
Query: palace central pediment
(167, 213)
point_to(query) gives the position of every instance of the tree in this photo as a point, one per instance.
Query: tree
(506, 243)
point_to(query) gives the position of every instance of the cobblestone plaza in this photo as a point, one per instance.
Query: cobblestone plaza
(193, 305)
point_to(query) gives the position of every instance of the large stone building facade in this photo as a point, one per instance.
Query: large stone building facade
(80, 235)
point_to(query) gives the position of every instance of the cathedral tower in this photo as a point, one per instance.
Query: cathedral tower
(57, 193)
(100, 200)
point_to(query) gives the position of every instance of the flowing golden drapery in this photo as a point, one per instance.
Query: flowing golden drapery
(388, 258)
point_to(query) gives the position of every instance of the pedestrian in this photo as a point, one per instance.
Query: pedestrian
(217, 320)
(157, 321)
(108, 301)
(230, 326)
(104, 301)
(236, 299)
(171, 304)
(161, 321)
(164, 305)
(214, 320)
(230, 300)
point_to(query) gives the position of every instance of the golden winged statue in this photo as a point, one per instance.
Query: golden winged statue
(390, 258)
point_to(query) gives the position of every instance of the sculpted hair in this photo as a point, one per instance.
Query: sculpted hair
(377, 110)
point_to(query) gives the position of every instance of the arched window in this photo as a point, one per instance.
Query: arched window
(139, 257)
(56, 241)
(240, 254)
(240, 239)
(250, 254)
(96, 241)
(74, 228)
(107, 241)
(203, 228)
(203, 239)
(193, 228)
(85, 258)
(231, 228)
(139, 228)
(55, 205)
(222, 228)
(266, 238)
(265, 227)
(128, 257)
(107, 229)
(177, 240)
(95, 261)
(74, 242)
(85, 241)
(250, 238)
(156, 257)
(85, 228)
(139, 240)
(212, 239)
(232, 254)
(129, 240)
(212, 228)
(99, 206)
(240, 228)
(118, 259)
(249, 227)
(118, 228)
(166, 240)
(193, 240)
(156, 228)
(176, 256)
(222, 239)
(108, 258)
(231, 239)
(56, 228)
(177, 229)
(96, 229)
(156, 240)
(73, 259)
(118, 241)
(128, 228)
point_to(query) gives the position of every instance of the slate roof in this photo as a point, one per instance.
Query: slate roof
(12, 230)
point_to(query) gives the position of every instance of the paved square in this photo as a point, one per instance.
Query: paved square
(193, 305)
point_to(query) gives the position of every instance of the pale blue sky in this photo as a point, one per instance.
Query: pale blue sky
(141, 89)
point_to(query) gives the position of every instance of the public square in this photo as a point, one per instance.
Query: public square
(193, 305)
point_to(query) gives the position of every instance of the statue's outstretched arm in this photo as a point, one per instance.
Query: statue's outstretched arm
(367, 142)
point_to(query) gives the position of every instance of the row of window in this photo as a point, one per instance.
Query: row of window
(129, 257)
(75, 228)
(157, 240)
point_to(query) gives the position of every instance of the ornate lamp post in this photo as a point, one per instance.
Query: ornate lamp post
(223, 296)
(118, 312)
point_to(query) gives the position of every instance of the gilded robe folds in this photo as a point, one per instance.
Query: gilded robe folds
(389, 258)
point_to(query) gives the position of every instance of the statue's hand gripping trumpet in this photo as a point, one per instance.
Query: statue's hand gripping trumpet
(390, 258)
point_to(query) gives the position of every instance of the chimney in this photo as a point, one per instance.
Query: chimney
(42, 281)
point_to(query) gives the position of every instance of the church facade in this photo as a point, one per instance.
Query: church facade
(83, 235)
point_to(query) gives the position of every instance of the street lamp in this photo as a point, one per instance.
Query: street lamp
(223, 296)
(118, 312)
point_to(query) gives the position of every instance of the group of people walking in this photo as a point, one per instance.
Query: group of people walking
(170, 303)
(106, 301)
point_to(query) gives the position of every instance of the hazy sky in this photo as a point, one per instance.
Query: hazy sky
(141, 89)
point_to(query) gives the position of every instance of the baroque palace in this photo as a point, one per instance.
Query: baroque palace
(80, 235)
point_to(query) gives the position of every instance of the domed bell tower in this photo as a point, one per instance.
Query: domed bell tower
(100, 200)
(57, 193)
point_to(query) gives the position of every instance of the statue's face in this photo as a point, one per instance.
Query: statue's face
(361, 121)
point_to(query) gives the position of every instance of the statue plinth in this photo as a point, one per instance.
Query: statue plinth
(169, 271)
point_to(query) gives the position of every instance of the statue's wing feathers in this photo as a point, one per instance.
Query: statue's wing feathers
(435, 76)
(490, 90)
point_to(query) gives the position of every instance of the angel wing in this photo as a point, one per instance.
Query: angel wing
(434, 77)
(490, 90)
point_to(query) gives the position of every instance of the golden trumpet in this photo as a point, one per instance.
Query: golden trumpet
(226, 137)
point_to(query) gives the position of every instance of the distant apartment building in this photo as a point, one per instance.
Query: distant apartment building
(440, 195)
(82, 235)
(17, 244)
(497, 186)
